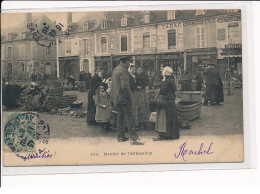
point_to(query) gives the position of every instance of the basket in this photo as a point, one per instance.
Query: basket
(189, 111)
(190, 96)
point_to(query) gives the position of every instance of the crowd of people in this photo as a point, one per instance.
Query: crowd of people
(120, 101)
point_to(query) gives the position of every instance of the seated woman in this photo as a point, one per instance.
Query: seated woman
(167, 125)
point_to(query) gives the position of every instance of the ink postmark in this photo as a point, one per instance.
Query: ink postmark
(44, 34)
(27, 135)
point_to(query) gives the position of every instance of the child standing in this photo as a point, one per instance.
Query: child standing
(103, 107)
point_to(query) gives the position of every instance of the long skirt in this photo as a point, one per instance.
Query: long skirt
(143, 110)
(134, 108)
(91, 109)
(102, 114)
(167, 124)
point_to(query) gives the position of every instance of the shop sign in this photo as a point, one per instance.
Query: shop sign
(172, 25)
(170, 56)
(211, 20)
(233, 46)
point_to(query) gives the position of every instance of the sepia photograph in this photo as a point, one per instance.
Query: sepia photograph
(122, 87)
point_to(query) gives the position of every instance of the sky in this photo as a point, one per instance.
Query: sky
(10, 20)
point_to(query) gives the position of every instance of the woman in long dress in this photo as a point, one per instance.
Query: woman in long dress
(133, 89)
(167, 125)
(142, 81)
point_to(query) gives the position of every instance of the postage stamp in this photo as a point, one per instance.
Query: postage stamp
(26, 135)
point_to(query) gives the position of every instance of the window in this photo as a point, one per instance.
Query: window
(24, 35)
(68, 47)
(22, 50)
(147, 18)
(201, 37)
(103, 24)
(47, 50)
(171, 15)
(200, 12)
(85, 66)
(85, 27)
(22, 67)
(233, 33)
(146, 40)
(123, 43)
(86, 46)
(9, 53)
(171, 39)
(103, 45)
(124, 21)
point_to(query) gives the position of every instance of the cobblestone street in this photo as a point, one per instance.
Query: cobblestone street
(225, 119)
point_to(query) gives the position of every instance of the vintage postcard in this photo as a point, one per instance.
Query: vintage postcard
(122, 87)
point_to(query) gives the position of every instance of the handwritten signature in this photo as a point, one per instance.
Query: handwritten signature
(201, 151)
(39, 154)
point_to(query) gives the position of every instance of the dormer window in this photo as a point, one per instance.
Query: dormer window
(124, 21)
(24, 35)
(170, 14)
(85, 27)
(103, 24)
(201, 12)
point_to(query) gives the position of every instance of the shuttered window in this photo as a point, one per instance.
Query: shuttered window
(201, 37)
(9, 55)
(86, 47)
(123, 43)
(171, 39)
(103, 45)
(146, 40)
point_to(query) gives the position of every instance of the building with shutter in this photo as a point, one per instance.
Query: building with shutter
(182, 39)
(207, 35)
(76, 50)
(22, 56)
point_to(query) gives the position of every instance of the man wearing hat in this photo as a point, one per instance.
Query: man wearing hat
(121, 97)
(214, 86)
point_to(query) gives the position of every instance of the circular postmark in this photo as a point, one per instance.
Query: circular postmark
(27, 135)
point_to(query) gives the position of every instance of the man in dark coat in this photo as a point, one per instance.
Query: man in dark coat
(121, 97)
(91, 103)
(87, 80)
(214, 86)
(199, 80)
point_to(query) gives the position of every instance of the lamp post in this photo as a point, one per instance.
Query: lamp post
(229, 70)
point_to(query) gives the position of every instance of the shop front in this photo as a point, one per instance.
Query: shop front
(197, 59)
(232, 58)
(173, 60)
(69, 66)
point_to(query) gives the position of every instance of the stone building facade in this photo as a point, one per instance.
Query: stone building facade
(22, 55)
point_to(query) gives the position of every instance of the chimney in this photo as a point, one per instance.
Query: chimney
(28, 19)
(69, 18)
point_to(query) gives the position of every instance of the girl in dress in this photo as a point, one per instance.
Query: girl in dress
(103, 107)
